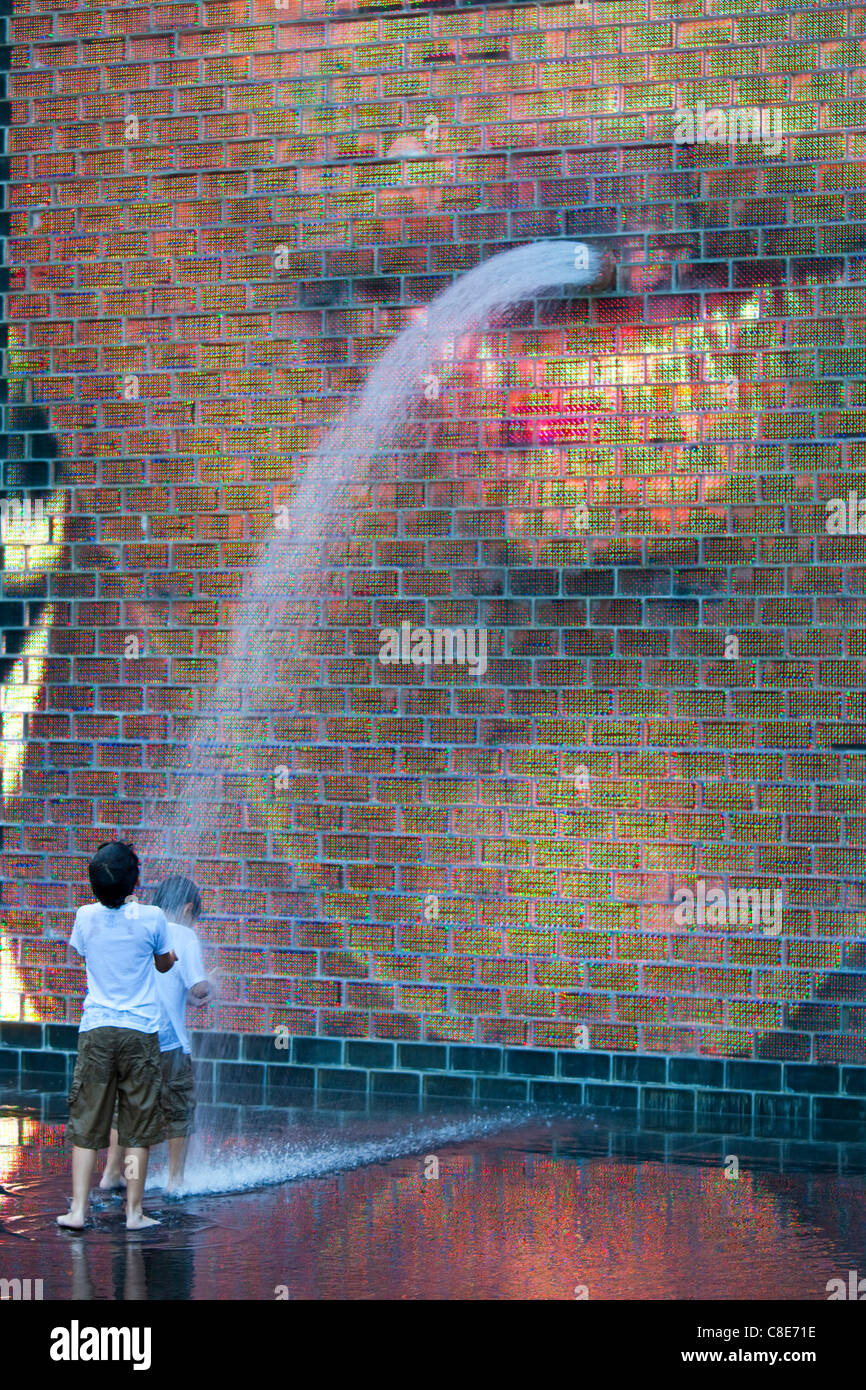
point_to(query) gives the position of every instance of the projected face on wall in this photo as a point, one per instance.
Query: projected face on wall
(635, 828)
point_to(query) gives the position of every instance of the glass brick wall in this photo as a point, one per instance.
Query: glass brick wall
(646, 496)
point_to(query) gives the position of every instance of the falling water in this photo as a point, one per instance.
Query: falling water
(226, 749)
(340, 463)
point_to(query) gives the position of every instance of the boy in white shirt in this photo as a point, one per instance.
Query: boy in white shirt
(118, 1041)
(180, 900)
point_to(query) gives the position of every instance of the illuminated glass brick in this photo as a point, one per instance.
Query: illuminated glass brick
(697, 765)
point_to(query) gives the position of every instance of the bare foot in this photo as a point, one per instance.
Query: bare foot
(73, 1220)
(111, 1182)
(140, 1221)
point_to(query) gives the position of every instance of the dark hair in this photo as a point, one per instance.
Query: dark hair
(174, 893)
(113, 873)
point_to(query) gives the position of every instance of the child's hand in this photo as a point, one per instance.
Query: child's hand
(206, 990)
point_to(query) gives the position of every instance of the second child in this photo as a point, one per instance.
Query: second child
(180, 900)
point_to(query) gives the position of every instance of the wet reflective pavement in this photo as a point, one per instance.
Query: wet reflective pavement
(451, 1204)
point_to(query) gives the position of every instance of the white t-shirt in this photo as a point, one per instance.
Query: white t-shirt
(118, 945)
(172, 987)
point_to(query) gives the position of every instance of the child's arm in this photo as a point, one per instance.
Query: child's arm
(163, 960)
(75, 946)
(203, 986)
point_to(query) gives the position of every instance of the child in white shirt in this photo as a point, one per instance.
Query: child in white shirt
(186, 983)
(118, 1041)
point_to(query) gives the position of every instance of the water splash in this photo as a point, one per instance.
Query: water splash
(226, 1166)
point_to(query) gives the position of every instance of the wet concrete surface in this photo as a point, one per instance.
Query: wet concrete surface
(450, 1204)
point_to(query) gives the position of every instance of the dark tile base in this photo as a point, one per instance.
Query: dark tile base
(675, 1104)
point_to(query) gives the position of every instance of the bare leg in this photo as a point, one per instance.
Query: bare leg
(112, 1177)
(135, 1163)
(177, 1150)
(83, 1164)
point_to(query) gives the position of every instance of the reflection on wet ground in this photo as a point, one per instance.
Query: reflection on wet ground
(450, 1204)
